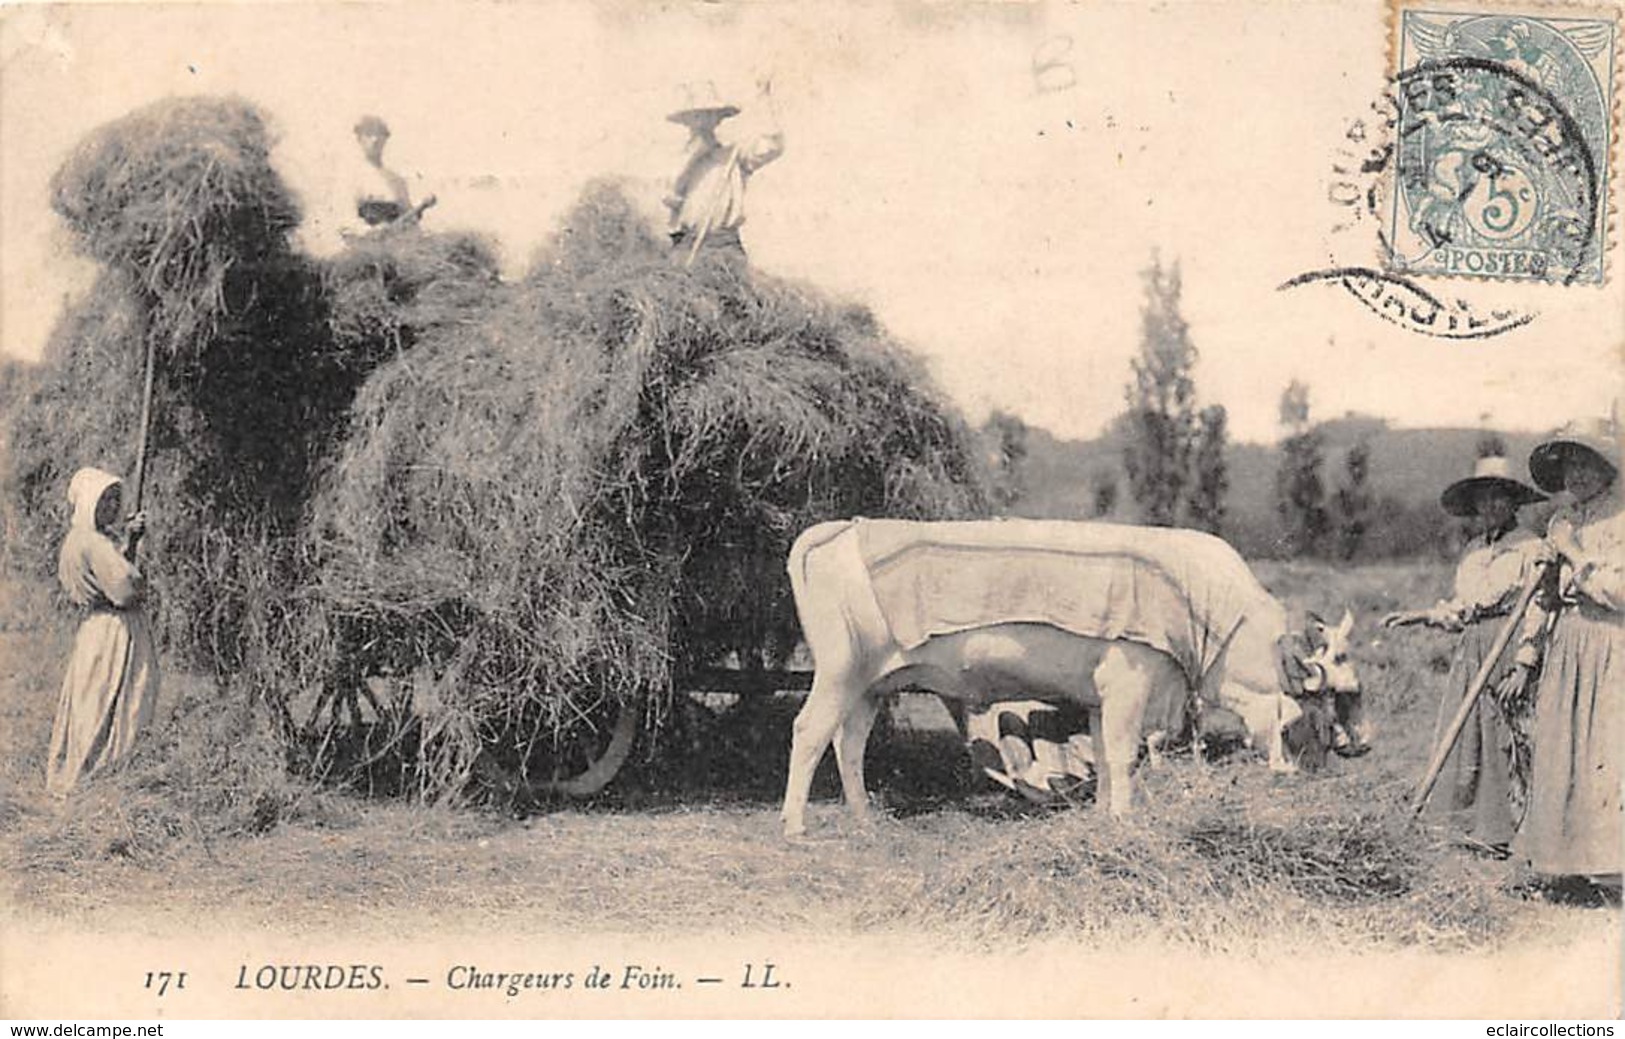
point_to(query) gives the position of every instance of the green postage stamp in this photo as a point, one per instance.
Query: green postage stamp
(1506, 126)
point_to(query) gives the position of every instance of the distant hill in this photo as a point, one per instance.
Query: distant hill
(1409, 467)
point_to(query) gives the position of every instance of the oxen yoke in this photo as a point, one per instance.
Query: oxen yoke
(1127, 622)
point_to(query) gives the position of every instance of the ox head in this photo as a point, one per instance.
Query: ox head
(1316, 670)
(1330, 669)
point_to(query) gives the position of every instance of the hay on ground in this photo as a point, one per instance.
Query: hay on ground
(1221, 859)
(212, 769)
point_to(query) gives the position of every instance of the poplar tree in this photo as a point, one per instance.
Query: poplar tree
(1173, 457)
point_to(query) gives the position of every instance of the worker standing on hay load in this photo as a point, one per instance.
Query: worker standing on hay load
(381, 196)
(111, 688)
(1573, 828)
(707, 200)
(1500, 560)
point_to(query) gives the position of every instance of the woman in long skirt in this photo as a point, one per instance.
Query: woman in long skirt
(1573, 828)
(1477, 782)
(111, 688)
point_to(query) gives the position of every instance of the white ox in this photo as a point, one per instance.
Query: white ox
(1125, 621)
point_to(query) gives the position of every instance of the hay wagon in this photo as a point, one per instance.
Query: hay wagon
(513, 506)
(716, 690)
(591, 757)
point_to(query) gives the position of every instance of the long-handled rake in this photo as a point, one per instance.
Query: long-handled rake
(1492, 661)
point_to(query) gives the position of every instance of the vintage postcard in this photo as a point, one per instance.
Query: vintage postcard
(767, 510)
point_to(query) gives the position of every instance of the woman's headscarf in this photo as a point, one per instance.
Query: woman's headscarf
(74, 566)
(85, 492)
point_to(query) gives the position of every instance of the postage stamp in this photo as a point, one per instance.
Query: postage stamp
(1505, 128)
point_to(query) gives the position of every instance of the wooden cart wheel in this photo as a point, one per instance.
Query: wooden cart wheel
(602, 765)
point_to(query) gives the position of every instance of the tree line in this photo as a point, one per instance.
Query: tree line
(1171, 465)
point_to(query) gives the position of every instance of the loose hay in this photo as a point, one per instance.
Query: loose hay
(1219, 865)
(542, 516)
(550, 498)
(190, 222)
(211, 769)
(390, 286)
(179, 197)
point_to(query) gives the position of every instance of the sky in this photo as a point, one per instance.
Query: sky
(991, 179)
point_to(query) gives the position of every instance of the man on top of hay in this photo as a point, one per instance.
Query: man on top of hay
(381, 196)
(707, 200)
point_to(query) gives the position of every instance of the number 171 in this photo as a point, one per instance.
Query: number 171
(162, 978)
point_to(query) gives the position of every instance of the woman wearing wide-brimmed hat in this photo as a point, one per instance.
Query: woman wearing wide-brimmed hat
(1500, 561)
(1573, 826)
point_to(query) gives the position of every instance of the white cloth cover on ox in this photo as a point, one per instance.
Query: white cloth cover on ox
(1183, 592)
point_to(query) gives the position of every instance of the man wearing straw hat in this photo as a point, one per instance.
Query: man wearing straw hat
(1500, 561)
(1573, 829)
(707, 199)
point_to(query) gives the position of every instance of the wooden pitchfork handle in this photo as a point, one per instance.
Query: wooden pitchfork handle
(1491, 659)
(146, 429)
(716, 204)
(416, 213)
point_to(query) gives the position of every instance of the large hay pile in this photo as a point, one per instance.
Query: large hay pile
(522, 506)
(181, 198)
(393, 284)
(260, 350)
(541, 517)
(180, 205)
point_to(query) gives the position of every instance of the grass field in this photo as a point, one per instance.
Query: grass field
(1225, 861)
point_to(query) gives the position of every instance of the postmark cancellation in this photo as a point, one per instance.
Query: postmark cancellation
(1506, 127)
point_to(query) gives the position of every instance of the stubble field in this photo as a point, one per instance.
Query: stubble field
(1225, 864)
